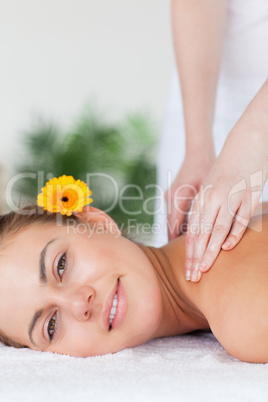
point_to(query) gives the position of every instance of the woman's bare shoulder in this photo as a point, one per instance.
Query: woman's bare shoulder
(237, 285)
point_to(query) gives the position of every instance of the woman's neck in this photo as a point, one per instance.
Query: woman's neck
(180, 298)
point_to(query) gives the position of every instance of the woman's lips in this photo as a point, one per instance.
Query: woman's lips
(108, 306)
(120, 309)
(121, 306)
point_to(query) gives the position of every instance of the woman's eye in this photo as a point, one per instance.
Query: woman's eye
(51, 329)
(61, 265)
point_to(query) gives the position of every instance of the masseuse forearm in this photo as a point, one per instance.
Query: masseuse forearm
(198, 28)
(250, 134)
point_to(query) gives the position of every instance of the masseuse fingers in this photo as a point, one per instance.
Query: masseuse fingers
(206, 224)
(241, 220)
(220, 230)
(190, 238)
(239, 226)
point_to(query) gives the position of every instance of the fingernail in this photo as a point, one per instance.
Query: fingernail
(203, 266)
(188, 275)
(194, 276)
(226, 245)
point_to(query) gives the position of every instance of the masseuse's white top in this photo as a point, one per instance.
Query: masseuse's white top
(244, 70)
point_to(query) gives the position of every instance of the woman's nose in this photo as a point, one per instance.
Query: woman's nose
(78, 302)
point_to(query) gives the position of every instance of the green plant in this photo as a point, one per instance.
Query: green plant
(117, 159)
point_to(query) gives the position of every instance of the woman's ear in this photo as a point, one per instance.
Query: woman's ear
(95, 216)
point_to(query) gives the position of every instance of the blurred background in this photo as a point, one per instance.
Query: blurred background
(83, 86)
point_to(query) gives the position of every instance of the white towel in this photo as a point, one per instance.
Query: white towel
(184, 368)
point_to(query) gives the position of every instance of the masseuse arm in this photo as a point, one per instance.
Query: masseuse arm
(232, 189)
(198, 28)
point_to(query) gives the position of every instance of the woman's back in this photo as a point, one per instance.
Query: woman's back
(233, 295)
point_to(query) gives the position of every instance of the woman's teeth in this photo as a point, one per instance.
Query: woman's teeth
(113, 309)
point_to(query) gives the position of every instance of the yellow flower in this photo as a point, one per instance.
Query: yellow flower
(64, 195)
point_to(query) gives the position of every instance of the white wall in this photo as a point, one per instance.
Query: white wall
(55, 55)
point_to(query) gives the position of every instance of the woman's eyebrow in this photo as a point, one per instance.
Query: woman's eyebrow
(42, 265)
(43, 280)
(36, 317)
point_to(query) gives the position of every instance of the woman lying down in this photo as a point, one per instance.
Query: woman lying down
(86, 292)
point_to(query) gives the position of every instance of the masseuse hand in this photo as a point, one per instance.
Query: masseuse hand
(185, 186)
(224, 205)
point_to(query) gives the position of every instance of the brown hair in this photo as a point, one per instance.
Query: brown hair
(12, 223)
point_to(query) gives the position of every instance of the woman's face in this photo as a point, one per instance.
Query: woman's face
(57, 287)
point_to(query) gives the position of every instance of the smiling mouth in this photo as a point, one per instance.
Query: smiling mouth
(113, 311)
(115, 307)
